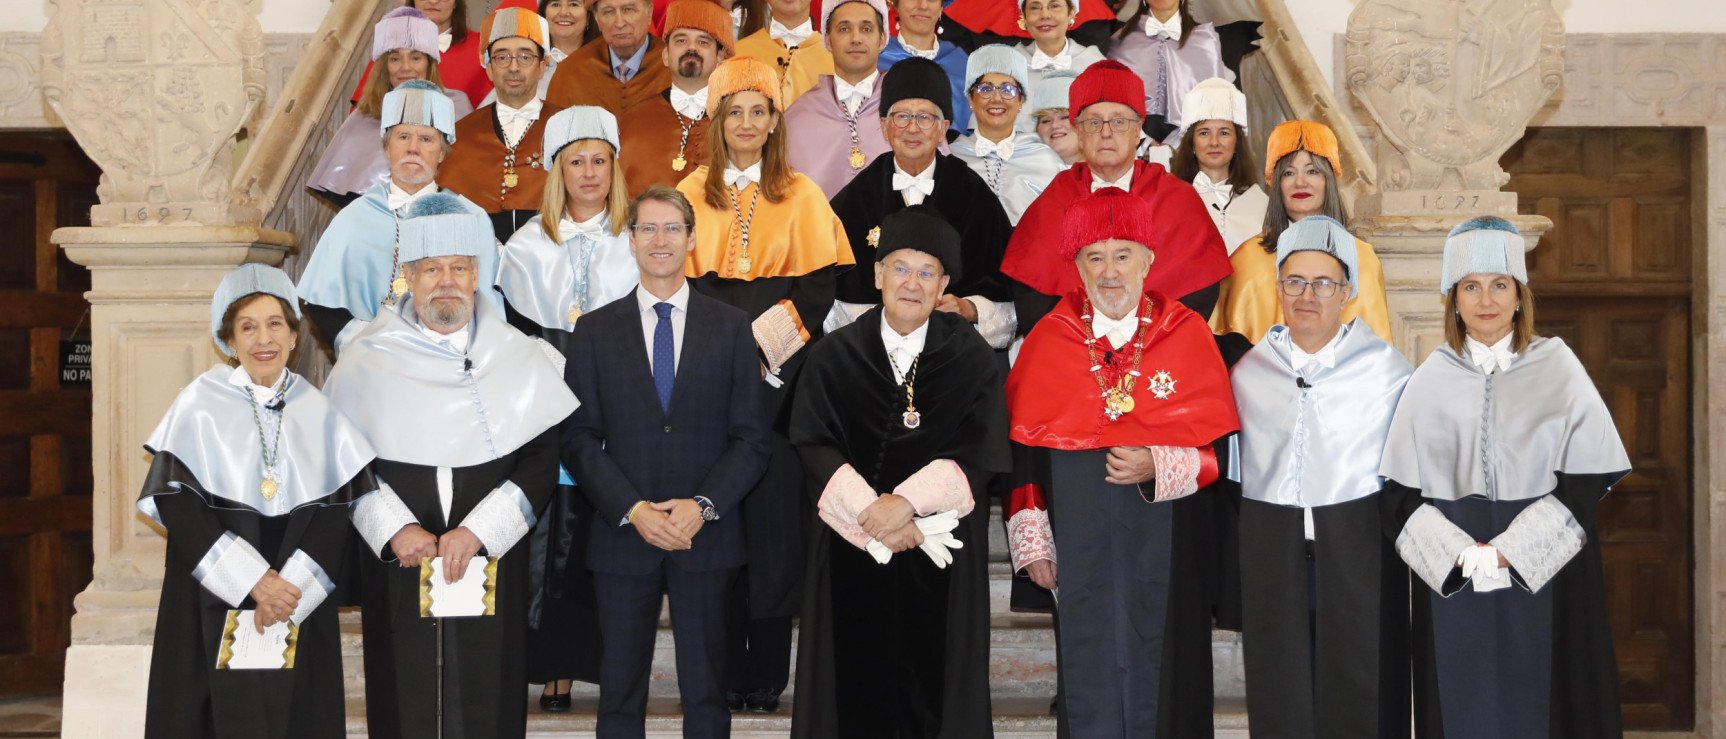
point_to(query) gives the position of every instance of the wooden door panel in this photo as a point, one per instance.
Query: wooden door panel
(1612, 279)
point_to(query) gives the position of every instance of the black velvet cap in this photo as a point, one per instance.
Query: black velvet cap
(922, 228)
(916, 78)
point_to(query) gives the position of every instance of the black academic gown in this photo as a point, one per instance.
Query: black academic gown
(485, 658)
(960, 195)
(900, 649)
(188, 696)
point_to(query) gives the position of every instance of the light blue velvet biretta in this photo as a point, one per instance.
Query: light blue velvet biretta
(439, 225)
(997, 59)
(575, 123)
(1322, 233)
(1485, 245)
(245, 280)
(420, 103)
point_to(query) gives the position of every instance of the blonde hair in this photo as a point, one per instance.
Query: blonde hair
(378, 84)
(775, 168)
(555, 202)
(1521, 327)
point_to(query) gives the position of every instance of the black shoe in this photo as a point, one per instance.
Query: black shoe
(733, 700)
(761, 701)
(554, 703)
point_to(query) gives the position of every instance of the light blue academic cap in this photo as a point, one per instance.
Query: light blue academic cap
(1326, 234)
(441, 225)
(1483, 245)
(248, 279)
(420, 103)
(575, 123)
(997, 59)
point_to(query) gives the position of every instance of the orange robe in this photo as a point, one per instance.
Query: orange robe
(475, 165)
(1248, 304)
(799, 68)
(650, 134)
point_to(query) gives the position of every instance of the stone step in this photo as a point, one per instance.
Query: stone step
(1014, 717)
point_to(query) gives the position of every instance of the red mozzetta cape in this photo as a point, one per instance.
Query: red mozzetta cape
(1002, 19)
(1189, 256)
(1053, 400)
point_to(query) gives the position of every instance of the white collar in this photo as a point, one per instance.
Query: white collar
(444, 39)
(1125, 182)
(400, 198)
(592, 227)
(791, 36)
(691, 105)
(557, 55)
(1118, 331)
(985, 147)
(914, 51)
(928, 173)
(679, 300)
(740, 178)
(1490, 358)
(530, 111)
(903, 350)
(1061, 60)
(1155, 28)
(457, 340)
(915, 187)
(263, 395)
(1326, 355)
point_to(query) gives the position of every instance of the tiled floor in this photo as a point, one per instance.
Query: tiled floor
(22, 717)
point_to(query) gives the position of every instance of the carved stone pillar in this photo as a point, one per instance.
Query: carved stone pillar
(158, 93)
(1450, 85)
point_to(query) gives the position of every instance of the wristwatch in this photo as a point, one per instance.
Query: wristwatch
(708, 511)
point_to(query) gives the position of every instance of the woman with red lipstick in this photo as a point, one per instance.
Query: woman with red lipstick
(251, 476)
(1499, 454)
(766, 242)
(1051, 50)
(1213, 155)
(1302, 170)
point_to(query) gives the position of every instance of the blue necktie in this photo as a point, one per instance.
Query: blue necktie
(664, 356)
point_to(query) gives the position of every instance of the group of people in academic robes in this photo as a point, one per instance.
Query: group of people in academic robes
(712, 304)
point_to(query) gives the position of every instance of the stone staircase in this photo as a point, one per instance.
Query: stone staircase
(1021, 676)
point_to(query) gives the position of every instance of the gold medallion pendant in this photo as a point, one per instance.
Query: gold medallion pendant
(1117, 403)
(913, 419)
(574, 313)
(399, 286)
(856, 158)
(509, 179)
(874, 237)
(678, 162)
(743, 264)
(268, 488)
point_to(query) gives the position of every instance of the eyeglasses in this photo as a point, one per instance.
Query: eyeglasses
(504, 61)
(1323, 287)
(1119, 125)
(903, 272)
(649, 230)
(902, 119)
(1006, 90)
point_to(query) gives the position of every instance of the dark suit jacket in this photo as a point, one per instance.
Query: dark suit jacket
(622, 448)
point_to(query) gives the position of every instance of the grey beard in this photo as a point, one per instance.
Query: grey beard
(443, 315)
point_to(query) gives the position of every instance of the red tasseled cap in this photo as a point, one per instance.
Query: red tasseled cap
(1109, 213)
(1107, 81)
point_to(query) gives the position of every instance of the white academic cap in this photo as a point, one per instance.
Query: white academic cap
(248, 279)
(996, 59)
(1052, 91)
(1483, 245)
(420, 103)
(1215, 98)
(575, 123)
(441, 225)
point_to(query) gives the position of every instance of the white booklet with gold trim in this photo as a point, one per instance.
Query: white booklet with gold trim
(475, 594)
(243, 648)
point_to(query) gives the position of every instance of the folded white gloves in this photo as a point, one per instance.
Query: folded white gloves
(1480, 565)
(938, 540)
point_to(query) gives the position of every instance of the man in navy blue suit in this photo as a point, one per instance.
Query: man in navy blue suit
(667, 441)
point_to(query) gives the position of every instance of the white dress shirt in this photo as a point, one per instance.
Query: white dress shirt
(650, 320)
(1493, 358)
(915, 187)
(903, 350)
(1062, 60)
(1125, 182)
(914, 51)
(852, 96)
(689, 105)
(400, 198)
(516, 121)
(1301, 360)
(264, 395)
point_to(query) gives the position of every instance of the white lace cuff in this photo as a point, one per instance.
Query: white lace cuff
(1539, 542)
(378, 515)
(842, 314)
(1177, 471)
(937, 488)
(779, 333)
(551, 353)
(230, 569)
(1029, 538)
(995, 321)
(315, 585)
(1431, 544)
(501, 519)
(846, 495)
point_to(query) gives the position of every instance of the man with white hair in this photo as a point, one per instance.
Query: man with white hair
(356, 266)
(465, 414)
(1116, 399)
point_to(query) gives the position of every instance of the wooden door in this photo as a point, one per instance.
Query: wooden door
(45, 480)
(1612, 279)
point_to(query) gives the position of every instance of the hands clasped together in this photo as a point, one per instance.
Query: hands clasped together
(458, 546)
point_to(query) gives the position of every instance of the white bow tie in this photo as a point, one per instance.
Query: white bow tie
(1002, 148)
(1117, 331)
(1039, 60)
(1155, 28)
(915, 188)
(1300, 359)
(1213, 192)
(739, 178)
(444, 40)
(556, 55)
(851, 95)
(525, 114)
(1125, 182)
(399, 198)
(590, 228)
(792, 37)
(687, 105)
(1491, 358)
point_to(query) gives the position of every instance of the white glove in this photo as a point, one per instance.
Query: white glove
(938, 539)
(1480, 565)
(879, 551)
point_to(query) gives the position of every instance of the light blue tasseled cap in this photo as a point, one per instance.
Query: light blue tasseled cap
(421, 103)
(1052, 91)
(441, 225)
(1484, 245)
(249, 279)
(997, 59)
(575, 123)
(1326, 234)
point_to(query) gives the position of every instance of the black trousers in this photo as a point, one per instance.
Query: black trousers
(628, 623)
